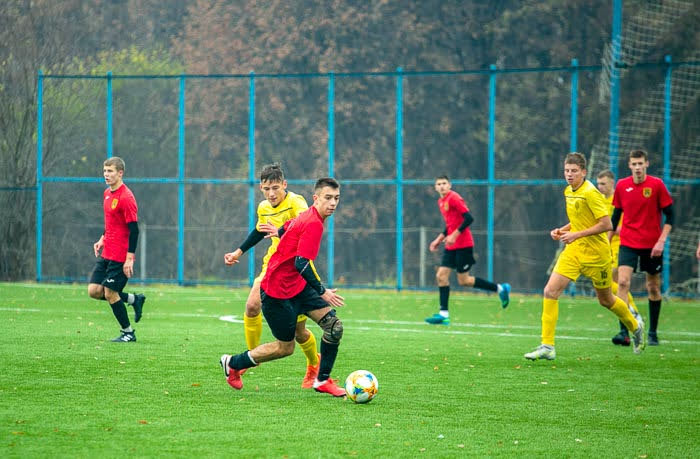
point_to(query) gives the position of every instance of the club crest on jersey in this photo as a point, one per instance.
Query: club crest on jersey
(646, 192)
(446, 206)
(115, 201)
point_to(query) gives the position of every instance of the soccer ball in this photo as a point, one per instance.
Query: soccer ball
(361, 386)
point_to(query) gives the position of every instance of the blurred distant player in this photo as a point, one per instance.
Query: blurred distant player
(459, 251)
(278, 207)
(291, 287)
(115, 265)
(587, 252)
(606, 185)
(643, 198)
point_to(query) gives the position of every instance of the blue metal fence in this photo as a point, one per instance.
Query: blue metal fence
(398, 181)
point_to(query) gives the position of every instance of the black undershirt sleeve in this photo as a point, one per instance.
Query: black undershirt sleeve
(253, 238)
(303, 265)
(468, 219)
(615, 218)
(133, 236)
(668, 212)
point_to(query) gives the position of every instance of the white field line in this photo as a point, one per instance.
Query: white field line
(388, 326)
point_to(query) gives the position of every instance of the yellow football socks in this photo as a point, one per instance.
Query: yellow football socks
(630, 299)
(309, 348)
(252, 327)
(550, 314)
(621, 310)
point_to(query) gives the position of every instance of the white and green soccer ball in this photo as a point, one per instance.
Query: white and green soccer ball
(361, 386)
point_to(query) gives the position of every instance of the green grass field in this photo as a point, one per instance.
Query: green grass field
(462, 390)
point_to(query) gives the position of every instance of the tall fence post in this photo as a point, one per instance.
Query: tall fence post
(573, 139)
(181, 185)
(615, 86)
(108, 115)
(39, 169)
(251, 173)
(399, 178)
(422, 250)
(331, 171)
(666, 274)
(143, 243)
(491, 171)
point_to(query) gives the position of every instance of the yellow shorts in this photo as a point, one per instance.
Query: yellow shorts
(614, 251)
(300, 317)
(600, 272)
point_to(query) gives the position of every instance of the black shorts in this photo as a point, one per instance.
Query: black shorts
(461, 260)
(109, 274)
(281, 314)
(640, 260)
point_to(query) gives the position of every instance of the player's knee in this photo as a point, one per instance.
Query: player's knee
(332, 328)
(95, 291)
(252, 308)
(465, 281)
(551, 293)
(623, 284)
(653, 289)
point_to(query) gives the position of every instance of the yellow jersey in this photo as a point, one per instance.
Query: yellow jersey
(616, 237)
(584, 207)
(292, 205)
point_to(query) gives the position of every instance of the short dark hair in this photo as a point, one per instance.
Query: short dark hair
(639, 153)
(442, 177)
(326, 182)
(576, 158)
(606, 173)
(115, 161)
(272, 173)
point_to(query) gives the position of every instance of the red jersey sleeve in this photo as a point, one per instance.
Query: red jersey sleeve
(310, 241)
(130, 209)
(665, 198)
(457, 203)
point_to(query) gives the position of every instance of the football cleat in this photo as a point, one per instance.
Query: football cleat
(139, 299)
(621, 339)
(504, 295)
(125, 337)
(329, 387)
(233, 377)
(638, 337)
(311, 374)
(543, 351)
(437, 319)
(653, 339)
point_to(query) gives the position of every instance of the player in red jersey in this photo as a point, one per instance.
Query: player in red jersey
(642, 198)
(459, 251)
(115, 265)
(291, 287)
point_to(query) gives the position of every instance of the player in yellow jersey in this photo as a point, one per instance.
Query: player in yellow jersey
(279, 206)
(587, 252)
(606, 185)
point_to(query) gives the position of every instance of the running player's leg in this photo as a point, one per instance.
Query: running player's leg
(307, 342)
(550, 314)
(654, 291)
(252, 318)
(447, 264)
(464, 262)
(601, 276)
(96, 290)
